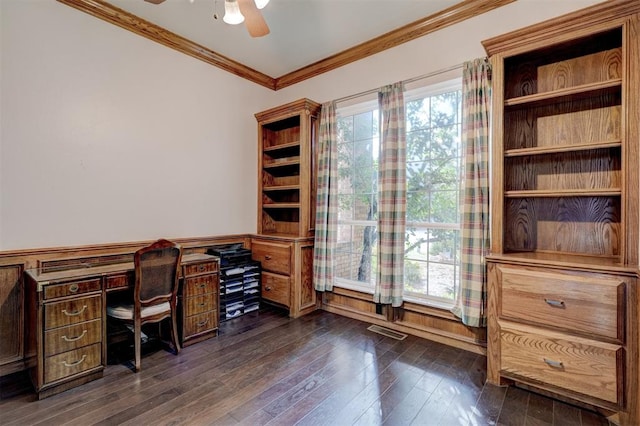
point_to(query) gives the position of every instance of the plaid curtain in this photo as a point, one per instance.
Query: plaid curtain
(476, 93)
(326, 204)
(392, 194)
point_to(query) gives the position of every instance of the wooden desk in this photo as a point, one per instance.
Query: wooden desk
(66, 316)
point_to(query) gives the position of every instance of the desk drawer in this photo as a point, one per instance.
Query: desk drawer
(276, 288)
(72, 362)
(120, 281)
(199, 304)
(583, 303)
(200, 323)
(64, 339)
(581, 365)
(71, 288)
(72, 311)
(200, 268)
(196, 286)
(273, 257)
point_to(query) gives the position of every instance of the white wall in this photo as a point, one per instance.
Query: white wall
(107, 136)
(101, 129)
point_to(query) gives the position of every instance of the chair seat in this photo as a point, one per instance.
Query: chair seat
(125, 312)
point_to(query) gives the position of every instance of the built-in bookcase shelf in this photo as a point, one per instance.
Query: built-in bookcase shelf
(562, 297)
(286, 185)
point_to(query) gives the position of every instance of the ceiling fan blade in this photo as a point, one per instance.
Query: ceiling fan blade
(154, 1)
(253, 19)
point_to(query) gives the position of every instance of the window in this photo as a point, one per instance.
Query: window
(434, 170)
(356, 251)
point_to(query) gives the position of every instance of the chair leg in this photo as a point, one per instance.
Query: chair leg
(137, 345)
(174, 334)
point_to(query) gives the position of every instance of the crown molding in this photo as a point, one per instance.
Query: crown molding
(437, 21)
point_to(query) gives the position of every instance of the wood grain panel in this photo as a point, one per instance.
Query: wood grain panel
(200, 268)
(583, 170)
(196, 286)
(58, 314)
(72, 288)
(580, 121)
(200, 323)
(307, 291)
(276, 288)
(587, 304)
(11, 313)
(200, 304)
(599, 66)
(69, 363)
(71, 337)
(274, 257)
(580, 365)
(572, 224)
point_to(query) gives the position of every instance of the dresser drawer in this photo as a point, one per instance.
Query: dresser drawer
(581, 365)
(276, 288)
(199, 304)
(200, 268)
(273, 257)
(72, 311)
(583, 303)
(195, 286)
(71, 337)
(200, 323)
(71, 288)
(72, 362)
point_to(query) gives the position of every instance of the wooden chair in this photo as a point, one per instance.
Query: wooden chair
(155, 292)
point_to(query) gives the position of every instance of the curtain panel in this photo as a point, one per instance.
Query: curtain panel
(392, 194)
(326, 204)
(476, 104)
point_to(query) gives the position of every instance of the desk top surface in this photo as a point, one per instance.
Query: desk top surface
(86, 270)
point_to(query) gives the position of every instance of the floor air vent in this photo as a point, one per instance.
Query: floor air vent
(387, 332)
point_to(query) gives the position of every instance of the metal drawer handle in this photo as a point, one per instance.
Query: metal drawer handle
(200, 324)
(73, 314)
(201, 268)
(268, 288)
(203, 285)
(555, 303)
(554, 364)
(267, 257)
(73, 339)
(73, 288)
(73, 364)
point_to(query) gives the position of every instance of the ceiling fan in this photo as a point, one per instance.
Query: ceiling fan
(238, 11)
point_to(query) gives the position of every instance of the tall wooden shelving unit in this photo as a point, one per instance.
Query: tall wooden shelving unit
(563, 269)
(286, 201)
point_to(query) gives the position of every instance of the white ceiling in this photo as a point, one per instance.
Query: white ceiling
(302, 31)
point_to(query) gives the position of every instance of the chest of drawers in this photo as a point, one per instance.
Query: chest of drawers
(198, 300)
(560, 330)
(287, 272)
(69, 331)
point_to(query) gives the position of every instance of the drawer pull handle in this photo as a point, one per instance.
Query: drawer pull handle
(203, 323)
(73, 364)
(267, 257)
(201, 268)
(268, 288)
(74, 314)
(203, 285)
(554, 364)
(73, 339)
(555, 303)
(73, 288)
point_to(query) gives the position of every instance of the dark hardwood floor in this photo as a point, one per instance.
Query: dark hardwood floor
(321, 369)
